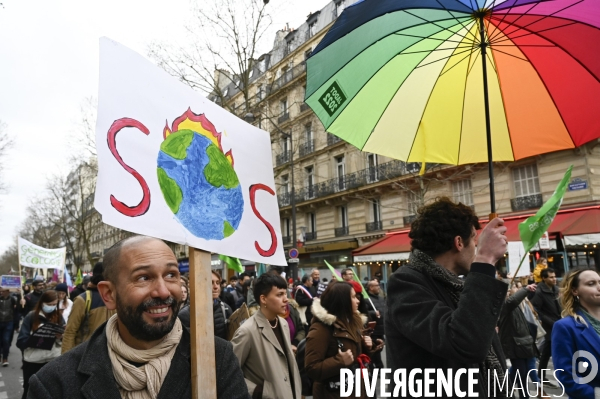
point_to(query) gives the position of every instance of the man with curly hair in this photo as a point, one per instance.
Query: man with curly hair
(439, 319)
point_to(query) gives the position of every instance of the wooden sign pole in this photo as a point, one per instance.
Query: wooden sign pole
(202, 326)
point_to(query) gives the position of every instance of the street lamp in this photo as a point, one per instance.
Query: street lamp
(249, 117)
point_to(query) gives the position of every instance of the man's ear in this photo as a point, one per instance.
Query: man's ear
(458, 243)
(108, 293)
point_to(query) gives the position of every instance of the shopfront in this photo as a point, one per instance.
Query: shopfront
(338, 254)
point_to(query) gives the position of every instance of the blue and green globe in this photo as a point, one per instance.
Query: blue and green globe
(200, 185)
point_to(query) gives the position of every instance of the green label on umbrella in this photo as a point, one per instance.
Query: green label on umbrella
(332, 99)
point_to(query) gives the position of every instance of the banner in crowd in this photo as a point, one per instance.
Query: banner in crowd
(31, 255)
(9, 282)
(176, 166)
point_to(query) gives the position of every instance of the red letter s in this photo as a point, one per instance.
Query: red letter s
(144, 204)
(253, 189)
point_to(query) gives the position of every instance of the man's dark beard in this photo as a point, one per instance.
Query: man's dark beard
(133, 319)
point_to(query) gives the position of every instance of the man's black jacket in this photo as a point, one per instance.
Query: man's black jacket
(425, 329)
(86, 372)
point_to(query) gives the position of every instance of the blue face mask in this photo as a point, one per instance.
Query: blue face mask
(48, 309)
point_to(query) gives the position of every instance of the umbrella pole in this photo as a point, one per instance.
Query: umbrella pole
(488, 129)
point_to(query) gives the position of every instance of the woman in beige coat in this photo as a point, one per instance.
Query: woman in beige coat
(263, 346)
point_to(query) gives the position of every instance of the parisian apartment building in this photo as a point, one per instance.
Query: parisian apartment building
(355, 208)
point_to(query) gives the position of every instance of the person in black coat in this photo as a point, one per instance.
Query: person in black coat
(221, 311)
(144, 335)
(304, 299)
(547, 305)
(437, 320)
(377, 315)
(517, 340)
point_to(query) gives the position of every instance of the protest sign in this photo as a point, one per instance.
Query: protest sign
(31, 255)
(45, 336)
(237, 319)
(176, 166)
(10, 282)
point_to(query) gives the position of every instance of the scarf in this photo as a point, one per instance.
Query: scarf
(593, 321)
(142, 382)
(423, 263)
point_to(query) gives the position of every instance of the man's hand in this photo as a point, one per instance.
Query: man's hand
(23, 302)
(492, 242)
(294, 349)
(377, 314)
(379, 345)
(531, 287)
(347, 357)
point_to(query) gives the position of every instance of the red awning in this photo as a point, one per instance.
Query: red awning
(391, 243)
(567, 222)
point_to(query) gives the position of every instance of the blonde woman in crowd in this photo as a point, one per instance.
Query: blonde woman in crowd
(576, 337)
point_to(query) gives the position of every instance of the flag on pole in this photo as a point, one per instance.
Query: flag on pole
(55, 276)
(68, 281)
(232, 263)
(334, 272)
(262, 269)
(532, 229)
(79, 278)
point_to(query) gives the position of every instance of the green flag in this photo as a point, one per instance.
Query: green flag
(333, 272)
(232, 263)
(79, 278)
(532, 229)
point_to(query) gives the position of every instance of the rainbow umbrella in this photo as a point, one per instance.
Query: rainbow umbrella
(440, 81)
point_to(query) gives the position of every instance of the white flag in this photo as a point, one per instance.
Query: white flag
(31, 255)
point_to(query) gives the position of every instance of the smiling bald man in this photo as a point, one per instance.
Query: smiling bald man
(143, 351)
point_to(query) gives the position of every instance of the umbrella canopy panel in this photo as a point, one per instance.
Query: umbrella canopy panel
(405, 78)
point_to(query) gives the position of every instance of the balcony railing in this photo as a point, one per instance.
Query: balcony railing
(307, 147)
(525, 203)
(310, 236)
(374, 226)
(409, 219)
(331, 139)
(342, 231)
(282, 158)
(96, 255)
(304, 107)
(286, 240)
(287, 77)
(284, 199)
(284, 117)
(349, 181)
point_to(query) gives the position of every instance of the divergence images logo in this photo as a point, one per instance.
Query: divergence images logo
(581, 362)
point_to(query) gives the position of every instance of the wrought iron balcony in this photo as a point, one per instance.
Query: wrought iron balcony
(284, 117)
(282, 158)
(287, 77)
(374, 226)
(96, 255)
(331, 139)
(304, 107)
(527, 202)
(342, 231)
(310, 236)
(409, 219)
(284, 199)
(307, 147)
(286, 240)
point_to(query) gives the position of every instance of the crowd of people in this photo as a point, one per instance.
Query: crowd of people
(124, 332)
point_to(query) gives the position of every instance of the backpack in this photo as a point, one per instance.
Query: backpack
(84, 328)
(306, 382)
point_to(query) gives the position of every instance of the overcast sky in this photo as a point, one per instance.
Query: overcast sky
(49, 65)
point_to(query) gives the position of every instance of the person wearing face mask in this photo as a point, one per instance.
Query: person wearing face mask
(34, 358)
